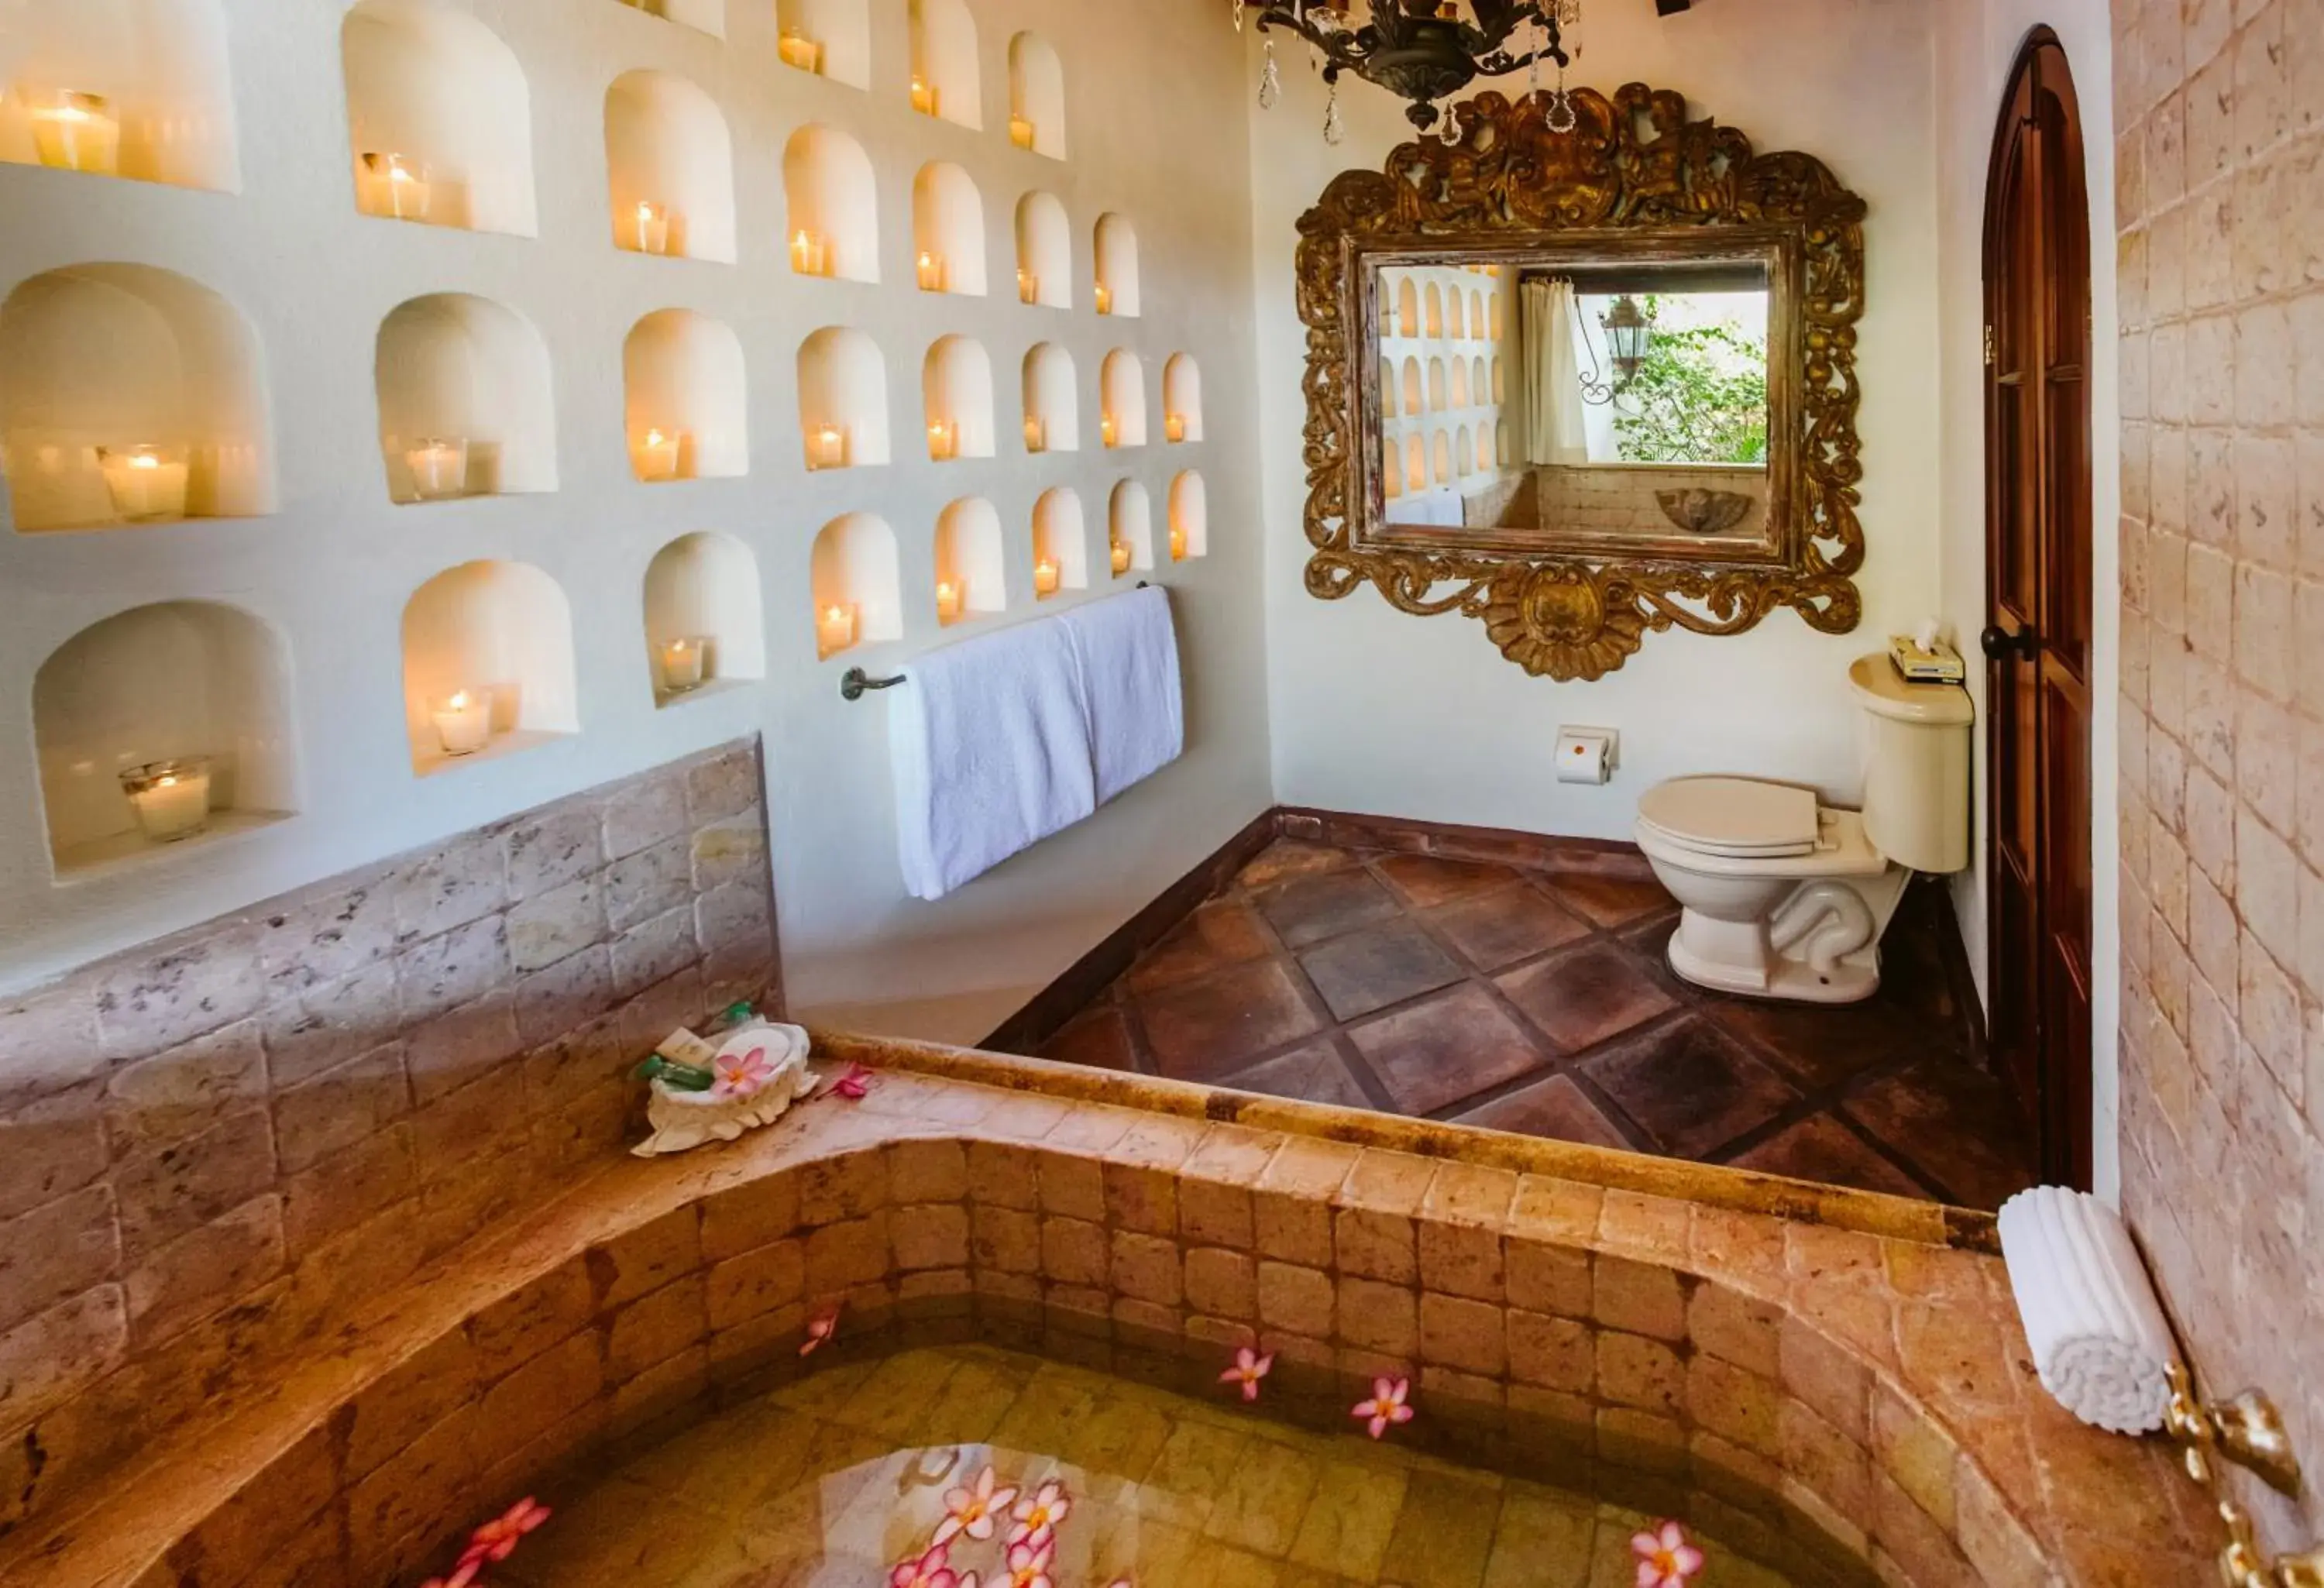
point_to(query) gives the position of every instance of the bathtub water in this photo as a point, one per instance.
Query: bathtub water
(839, 1478)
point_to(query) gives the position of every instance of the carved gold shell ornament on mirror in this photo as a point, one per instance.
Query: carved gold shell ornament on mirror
(1636, 175)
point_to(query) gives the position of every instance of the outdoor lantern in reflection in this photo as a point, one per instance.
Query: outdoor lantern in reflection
(1628, 331)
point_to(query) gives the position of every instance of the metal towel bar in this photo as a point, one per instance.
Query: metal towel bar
(855, 683)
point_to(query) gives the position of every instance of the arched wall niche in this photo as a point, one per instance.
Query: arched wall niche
(1434, 313)
(97, 361)
(1036, 95)
(438, 89)
(1181, 399)
(956, 395)
(1457, 327)
(497, 637)
(948, 230)
(1415, 464)
(1388, 388)
(832, 205)
(464, 403)
(670, 166)
(702, 616)
(173, 680)
(843, 393)
(1460, 383)
(1463, 452)
(686, 398)
(1190, 516)
(1485, 464)
(1130, 521)
(1045, 251)
(1060, 541)
(1441, 472)
(1501, 451)
(705, 16)
(1477, 314)
(1117, 267)
(971, 559)
(945, 75)
(1407, 307)
(854, 570)
(1438, 392)
(1493, 309)
(1479, 382)
(1052, 401)
(1121, 390)
(159, 71)
(1416, 395)
(838, 34)
(1392, 467)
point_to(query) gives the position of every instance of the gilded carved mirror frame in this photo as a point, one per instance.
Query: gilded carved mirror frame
(1636, 177)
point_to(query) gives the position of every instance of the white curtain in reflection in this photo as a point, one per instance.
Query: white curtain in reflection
(1554, 431)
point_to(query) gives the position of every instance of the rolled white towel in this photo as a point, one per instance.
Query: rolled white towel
(2099, 1340)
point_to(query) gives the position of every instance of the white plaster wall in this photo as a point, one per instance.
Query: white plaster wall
(1976, 45)
(1377, 711)
(1157, 134)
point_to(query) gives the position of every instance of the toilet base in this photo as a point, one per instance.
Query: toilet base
(1791, 980)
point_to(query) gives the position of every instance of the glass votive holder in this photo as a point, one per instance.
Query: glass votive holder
(172, 799)
(147, 483)
(393, 187)
(655, 455)
(74, 130)
(464, 723)
(648, 229)
(834, 627)
(1119, 554)
(682, 663)
(440, 467)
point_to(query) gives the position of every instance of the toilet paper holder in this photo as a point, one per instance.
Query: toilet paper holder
(1586, 755)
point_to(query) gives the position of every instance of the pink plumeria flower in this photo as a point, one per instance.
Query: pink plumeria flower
(1028, 1563)
(498, 1539)
(461, 1574)
(854, 1084)
(932, 1570)
(820, 1328)
(1666, 1559)
(975, 1510)
(1387, 1405)
(1038, 1518)
(1249, 1368)
(741, 1074)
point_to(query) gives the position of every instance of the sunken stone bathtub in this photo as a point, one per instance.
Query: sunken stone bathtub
(1832, 1382)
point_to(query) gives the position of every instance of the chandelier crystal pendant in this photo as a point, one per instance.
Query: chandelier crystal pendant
(1422, 50)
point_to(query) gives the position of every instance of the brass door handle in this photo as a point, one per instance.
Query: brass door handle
(1999, 645)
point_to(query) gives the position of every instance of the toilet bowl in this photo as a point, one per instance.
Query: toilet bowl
(1783, 897)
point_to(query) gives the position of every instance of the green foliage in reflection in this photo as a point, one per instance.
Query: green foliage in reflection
(1701, 396)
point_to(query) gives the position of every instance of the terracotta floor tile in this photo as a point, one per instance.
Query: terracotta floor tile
(1288, 858)
(1821, 1149)
(1311, 908)
(1317, 1073)
(1379, 965)
(1822, 1045)
(1098, 1037)
(1957, 1124)
(1691, 1089)
(1220, 934)
(1450, 1047)
(1427, 881)
(1610, 901)
(1209, 1026)
(1582, 997)
(1506, 925)
(1555, 1108)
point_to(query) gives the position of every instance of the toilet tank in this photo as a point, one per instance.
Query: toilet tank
(1916, 766)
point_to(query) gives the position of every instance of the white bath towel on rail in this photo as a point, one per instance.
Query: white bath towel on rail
(989, 742)
(1128, 650)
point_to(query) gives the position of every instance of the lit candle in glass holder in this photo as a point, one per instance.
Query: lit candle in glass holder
(932, 272)
(1105, 299)
(77, 131)
(681, 664)
(924, 95)
(172, 799)
(799, 50)
(464, 724)
(657, 453)
(834, 627)
(1020, 132)
(830, 450)
(944, 442)
(1173, 426)
(1028, 287)
(391, 187)
(147, 483)
(1106, 431)
(1120, 553)
(440, 467)
(1177, 544)
(650, 229)
(810, 256)
(1037, 435)
(1045, 578)
(948, 601)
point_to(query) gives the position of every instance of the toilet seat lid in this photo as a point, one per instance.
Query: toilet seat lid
(1741, 817)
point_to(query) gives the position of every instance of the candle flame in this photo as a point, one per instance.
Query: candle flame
(459, 702)
(144, 460)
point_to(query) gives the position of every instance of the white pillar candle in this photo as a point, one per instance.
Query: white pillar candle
(830, 450)
(391, 187)
(77, 131)
(147, 483)
(681, 665)
(1120, 552)
(799, 50)
(932, 272)
(1020, 132)
(834, 628)
(1045, 578)
(657, 454)
(464, 724)
(650, 229)
(172, 799)
(809, 255)
(440, 467)
(948, 601)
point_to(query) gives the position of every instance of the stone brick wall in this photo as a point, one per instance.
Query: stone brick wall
(208, 1142)
(2219, 107)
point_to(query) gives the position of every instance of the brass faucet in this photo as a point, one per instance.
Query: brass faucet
(2249, 1432)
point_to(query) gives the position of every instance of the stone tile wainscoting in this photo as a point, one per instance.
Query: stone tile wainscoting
(2220, 159)
(209, 1144)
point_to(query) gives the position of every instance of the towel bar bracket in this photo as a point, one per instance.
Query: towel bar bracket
(855, 683)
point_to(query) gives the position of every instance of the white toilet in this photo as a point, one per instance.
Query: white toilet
(1785, 898)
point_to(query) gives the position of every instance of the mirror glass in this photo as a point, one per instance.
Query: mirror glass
(1599, 403)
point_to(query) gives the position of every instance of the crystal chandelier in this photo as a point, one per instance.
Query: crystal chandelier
(1423, 51)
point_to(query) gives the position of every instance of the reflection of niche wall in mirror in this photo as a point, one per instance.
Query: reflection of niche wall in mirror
(1440, 357)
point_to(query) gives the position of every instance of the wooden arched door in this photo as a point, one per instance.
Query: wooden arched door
(2038, 574)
